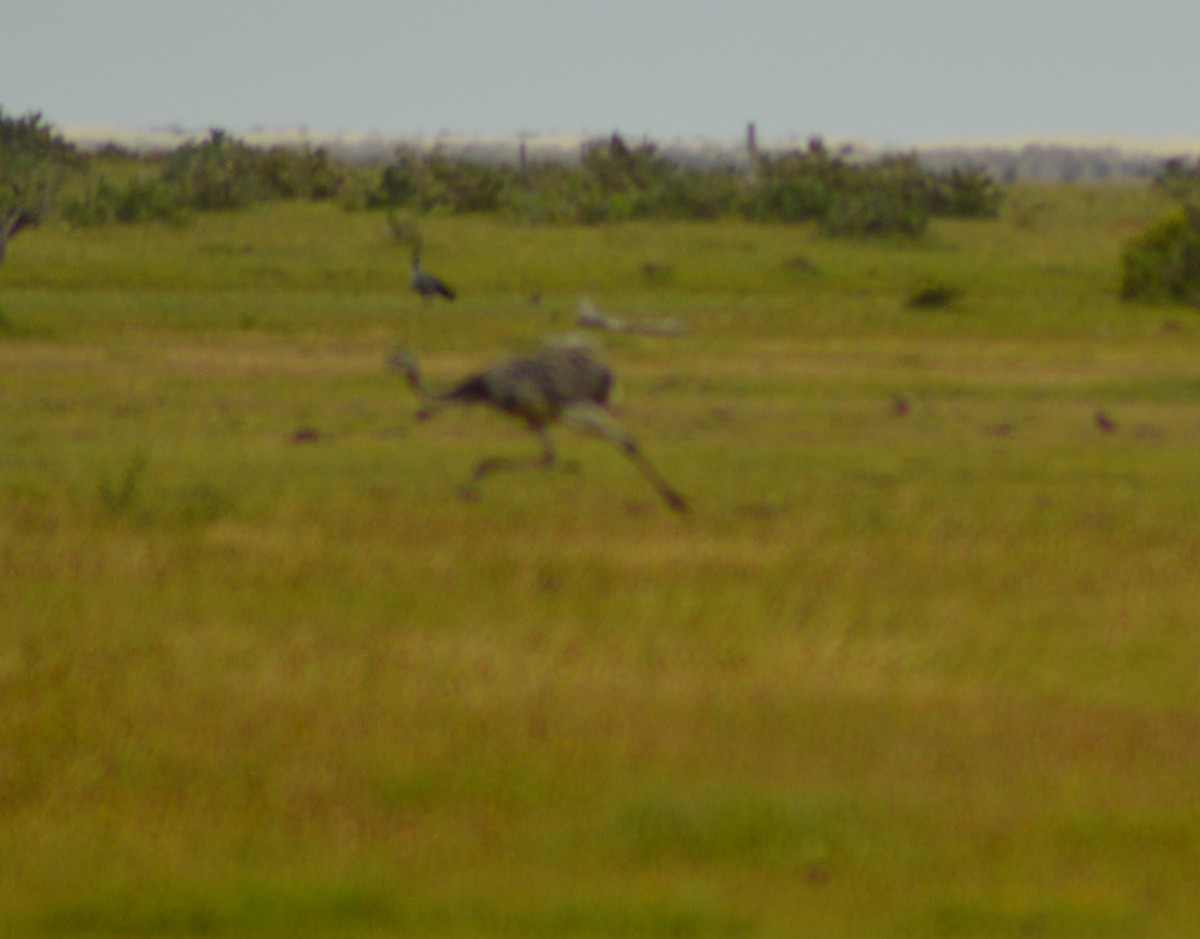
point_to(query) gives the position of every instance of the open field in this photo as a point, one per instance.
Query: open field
(933, 673)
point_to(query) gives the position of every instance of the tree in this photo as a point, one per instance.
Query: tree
(33, 163)
(1163, 262)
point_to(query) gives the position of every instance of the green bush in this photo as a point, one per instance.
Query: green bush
(874, 212)
(137, 200)
(1179, 180)
(793, 199)
(437, 182)
(1163, 263)
(964, 193)
(223, 172)
(34, 163)
(461, 186)
(893, 195)
(618, 169)
(889, 197)
(299, 174)
(797, 186)
(698, 195)
(398, 186)
(218, 173)
(616, 182)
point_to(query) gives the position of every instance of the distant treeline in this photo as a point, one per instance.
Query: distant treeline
(844, 193)
(612, 181)
(1041, 161)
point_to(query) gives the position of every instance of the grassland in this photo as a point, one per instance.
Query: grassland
(924, 674)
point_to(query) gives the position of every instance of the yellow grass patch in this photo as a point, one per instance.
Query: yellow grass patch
(921, 661)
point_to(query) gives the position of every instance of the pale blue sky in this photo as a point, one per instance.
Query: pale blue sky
(890, 72)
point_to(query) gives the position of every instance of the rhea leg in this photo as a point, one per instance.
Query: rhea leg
(593, 419)
(493, 464)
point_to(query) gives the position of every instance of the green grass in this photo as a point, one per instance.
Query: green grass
(919, 674)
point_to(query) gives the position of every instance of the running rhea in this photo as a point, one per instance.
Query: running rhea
(425, 283)
(564, 383)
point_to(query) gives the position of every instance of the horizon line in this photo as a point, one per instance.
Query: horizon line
(98, 134)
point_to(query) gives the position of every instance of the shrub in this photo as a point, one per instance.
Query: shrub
(617, 182)
(893, 195)
(1179, 180)
(1164, 262)
(616, 168)
(890, 197)
(693, 194)
(874, 212)
(218, 173)
(298, 174)
(797, 186)
(137, 200)
(614, 182)
(437, 182)
(964, 193)
(544, 193)
(398, 185)
(34, 162)
(794, 199)
(32, 156)
(461, 186)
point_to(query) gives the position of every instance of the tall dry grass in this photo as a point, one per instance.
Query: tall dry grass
(905, 670)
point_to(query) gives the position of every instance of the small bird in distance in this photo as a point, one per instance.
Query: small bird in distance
(425, 284)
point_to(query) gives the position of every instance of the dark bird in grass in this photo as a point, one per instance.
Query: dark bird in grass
(1105, 423)
(425, 284)
(12, 222)
(900, 405)
(565, 383)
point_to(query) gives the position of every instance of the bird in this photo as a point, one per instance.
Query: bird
(1105, 423)
(563, 382)
(12, 222)
(425, 283)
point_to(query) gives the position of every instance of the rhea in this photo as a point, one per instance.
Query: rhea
(425, 283)
(561, 383)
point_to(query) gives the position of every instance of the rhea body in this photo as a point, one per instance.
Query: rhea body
(563, 383)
